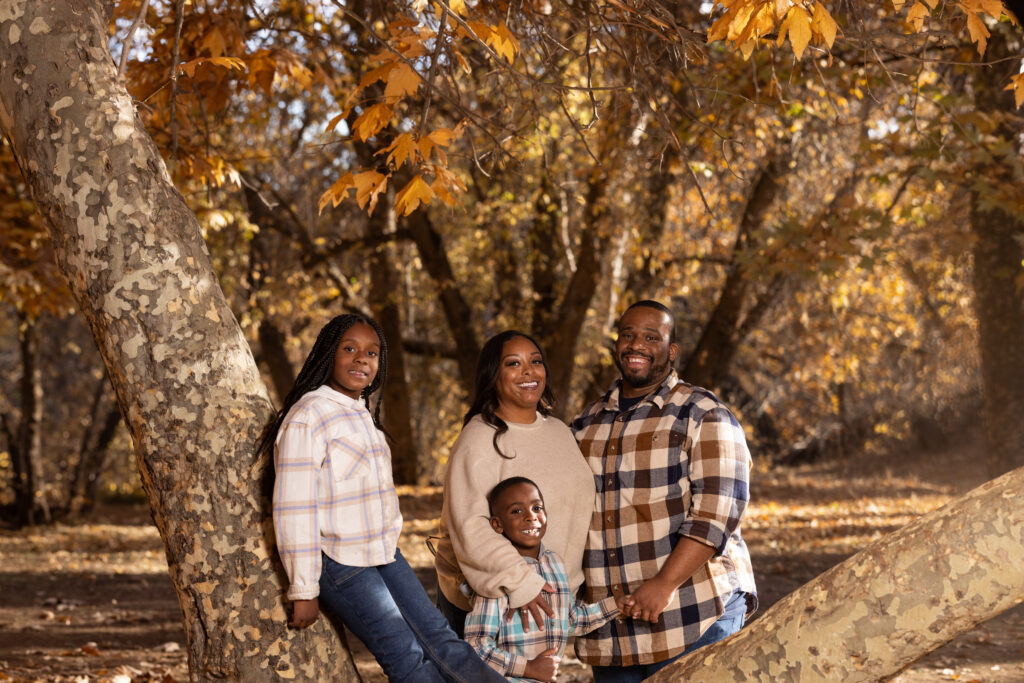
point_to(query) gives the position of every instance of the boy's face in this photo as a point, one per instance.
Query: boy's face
(519, 516)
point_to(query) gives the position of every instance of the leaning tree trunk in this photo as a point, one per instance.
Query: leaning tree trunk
(184, 376)
(887, 606)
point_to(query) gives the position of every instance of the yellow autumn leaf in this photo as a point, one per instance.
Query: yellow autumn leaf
(1017, 86)
(898, 4)
(402, 150)
(371, 121)
(409, 197)
(824, 25)
(979, 32)
(458, 7)
(402, 80)
(337, 192)
(504, 43)
(333, 123)
(369, 185)
(378, 74)
(798, 26)
(189, 68)
(781, 7)
(214, 42)
(917, 15)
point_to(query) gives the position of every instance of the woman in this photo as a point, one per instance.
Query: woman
(509, 431)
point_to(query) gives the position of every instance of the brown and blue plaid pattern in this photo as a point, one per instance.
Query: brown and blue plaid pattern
(674, 465)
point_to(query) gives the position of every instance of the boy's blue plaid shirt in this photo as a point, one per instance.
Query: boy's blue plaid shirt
(503, 644)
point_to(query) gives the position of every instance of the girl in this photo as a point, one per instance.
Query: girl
(336, 512)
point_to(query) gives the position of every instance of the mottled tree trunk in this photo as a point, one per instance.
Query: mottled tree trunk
(887, 606)
(183, 374)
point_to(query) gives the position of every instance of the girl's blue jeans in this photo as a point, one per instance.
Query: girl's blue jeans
(386, 608)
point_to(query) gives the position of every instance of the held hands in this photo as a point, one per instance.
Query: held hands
(537, 607)
(543, 667)
(649, 600)
(304, 613)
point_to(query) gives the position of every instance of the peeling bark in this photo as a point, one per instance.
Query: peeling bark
(887, 606)
(182, 371)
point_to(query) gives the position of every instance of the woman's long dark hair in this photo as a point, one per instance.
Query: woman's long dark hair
(316, 371)
(488, 366)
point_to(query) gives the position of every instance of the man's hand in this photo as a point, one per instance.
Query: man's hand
(543, 667)
(304, 613)
(651, 599)
(537, 607)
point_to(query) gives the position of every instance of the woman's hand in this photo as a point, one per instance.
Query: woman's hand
(304, 613)
(537, 607)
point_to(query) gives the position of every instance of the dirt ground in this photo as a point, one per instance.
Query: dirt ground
(92, 601)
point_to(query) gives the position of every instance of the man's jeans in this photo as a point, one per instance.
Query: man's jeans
(727, 624)
(386, 608)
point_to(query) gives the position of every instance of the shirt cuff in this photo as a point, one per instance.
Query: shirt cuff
(517, 666)
(609, 607)
(704, 532)
(528, 591)
(298, 591)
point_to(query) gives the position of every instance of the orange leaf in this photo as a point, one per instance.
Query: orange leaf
(333, 123)
(503, 42)
(798, 25)
(403, 80)
(337, 192)
(214, 42)
(409, 197)
(1017, 86)
(824, 25)
(917, 15)
(371, 121)
(378, 74)
(403, 150)
(978, 30)
(369, 185)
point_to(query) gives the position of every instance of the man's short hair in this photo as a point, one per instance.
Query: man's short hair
(503, 486)
(658, 306)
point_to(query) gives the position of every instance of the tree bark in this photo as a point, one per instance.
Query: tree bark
(998, 251)
(25, 437)
(183, 374)
(887, 606)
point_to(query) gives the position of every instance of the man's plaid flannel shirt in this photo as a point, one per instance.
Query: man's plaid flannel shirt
(674, 465)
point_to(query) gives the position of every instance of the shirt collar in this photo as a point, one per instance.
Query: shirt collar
(657, 397)
(325, 391)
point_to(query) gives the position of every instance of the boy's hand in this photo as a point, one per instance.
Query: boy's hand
(543, 667)
(304, 613)
(625, 603)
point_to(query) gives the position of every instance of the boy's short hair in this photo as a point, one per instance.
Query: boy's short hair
(503, 486)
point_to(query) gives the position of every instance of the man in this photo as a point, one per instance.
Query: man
(672, 471)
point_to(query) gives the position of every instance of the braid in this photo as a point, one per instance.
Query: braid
(317, 369)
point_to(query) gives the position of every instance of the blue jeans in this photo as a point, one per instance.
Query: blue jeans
(727, 624)
(386, 608)
(456, 616)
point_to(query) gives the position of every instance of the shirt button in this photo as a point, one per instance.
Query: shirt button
(608, 518)
(611, 554)
(615, 588)
(612, 447)
(610, 481)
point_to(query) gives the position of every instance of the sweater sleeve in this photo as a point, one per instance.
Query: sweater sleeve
(490, 563)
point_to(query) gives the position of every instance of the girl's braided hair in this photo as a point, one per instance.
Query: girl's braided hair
(317, 369)
(488, 367)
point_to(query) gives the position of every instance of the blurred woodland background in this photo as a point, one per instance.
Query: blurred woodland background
(840, 234)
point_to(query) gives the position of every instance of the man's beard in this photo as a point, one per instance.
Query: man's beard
(654, 371)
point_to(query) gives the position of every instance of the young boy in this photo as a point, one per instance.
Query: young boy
(517, 513)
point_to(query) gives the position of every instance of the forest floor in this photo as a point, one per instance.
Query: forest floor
(92, 601)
